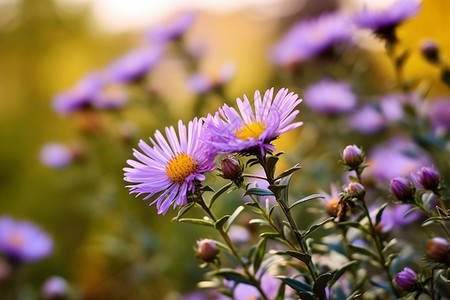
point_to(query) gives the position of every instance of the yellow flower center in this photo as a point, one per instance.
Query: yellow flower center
(250, 130)
(16, 240)
(180, 167)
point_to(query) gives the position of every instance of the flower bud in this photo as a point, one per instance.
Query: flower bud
(438, 249)
(231, 169)
(430, 51)
(55, 288)
(356, 190)
(407, 280)
(353, 156)
(207, 250)
(428, 178)
(403, 189)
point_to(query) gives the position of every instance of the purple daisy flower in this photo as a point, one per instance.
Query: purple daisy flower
(330, 97)
(309, 38)
(228, 131)
(56, 155)
(269, 285)
(170, 169)
(393, 217)
(368, 120)
(55, 288)
(438, 111)
(202, 83)
(23, 241)
(173, 30)
(135, 64)
(111, 96)
(383, 22)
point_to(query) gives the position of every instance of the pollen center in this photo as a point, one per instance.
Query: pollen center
(16, 240)
(180, 167)
(250, 130)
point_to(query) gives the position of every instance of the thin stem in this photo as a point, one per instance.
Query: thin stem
(425, 210)
(255, 282)
(254, 176)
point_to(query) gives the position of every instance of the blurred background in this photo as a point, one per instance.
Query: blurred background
(108, 244)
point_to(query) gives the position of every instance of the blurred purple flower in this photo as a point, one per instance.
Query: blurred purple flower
(269, 285)
(56, 155)
(111, 96)
(310, 37)
(398, 157)
(135, 64)
(23, 241)
(55, 288)
(367, 120)
(239, 234)
(438, 111)
(393, 217)
(173, 30)
(202, 83)
(330, 97)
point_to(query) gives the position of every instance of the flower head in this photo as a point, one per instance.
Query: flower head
(438, 112)
(207, 250)
(22, 241)
(309, 38)
(438, 249)
(170, 169)
(330, 97)
(172, 30)
(406, 279)
(428, 177)
(353, 156)
(367, 120)
(56, 155)
(403, 189)
(202, 83)
(55, 288)
(229, 131)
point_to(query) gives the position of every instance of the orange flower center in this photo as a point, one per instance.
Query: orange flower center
(180, 167)
(250, 130)
(16, 240)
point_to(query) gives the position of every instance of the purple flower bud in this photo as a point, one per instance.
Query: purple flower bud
(438, 249)
(207, 250)
(353, 156)
(406, 280)
(403, 189)
(55, 288)
(356, 189)
(430, 51)
(231, 169)
(428, 178)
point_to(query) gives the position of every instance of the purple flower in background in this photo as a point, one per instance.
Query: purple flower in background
(239, 234)
(367, 120)
(135, 64)
(173, 30)
(79, 96)
(383, 22)
(170, 168)
(111, 96)
(269, 285)
(22, 241)
(438, 111)
(398, 157)
(310, 37)
(228, 131)
(55, 288)
(406, 280)
(202, 83)
(56, 155)
(330, 97)
(393, 217)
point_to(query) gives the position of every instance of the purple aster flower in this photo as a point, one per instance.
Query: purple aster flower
(23, 241)
(79, 96)
(170, 169)
(55, 288)
(330, 97)
(173, 30)
(228, 131)
(407, 280)
(135, 64)
(239, 234)
(202, 83)
(383, 22)
(367, 120)
(438, 111)
(111, 96)
(56, 155)
(309, 38)
(269, 285)
(394, 217)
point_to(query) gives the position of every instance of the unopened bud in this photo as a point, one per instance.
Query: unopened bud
(438, 249)
(353, 156)
(207, 250)
(407, 280)
(428, 178)
(356, 190)
(231, 169)
(430, 51)
(55, 288)
(403, 189)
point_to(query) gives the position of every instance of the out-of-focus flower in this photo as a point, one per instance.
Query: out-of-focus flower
(55, 288)
(398, 157)
(22, 241)
(135, 64)
(438, 249)
(403, 189)
(171, 168)
(368, 120)
(239, 234)
(56, 155)
(207, 250)
(252, 132)
(393, 217)
(112, 96)
(353, 156)
(269, 285)
(172, 30)
(202, 83)
(330, 97)
(80, 96)
(330, 202)
(428, 177)
(406, 280)
(438, 111)
(308, 38)
(430, 51)
(383, 22)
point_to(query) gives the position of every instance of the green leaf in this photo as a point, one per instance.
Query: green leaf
(316, 226)
(259, 192)
(381, 285)
(339, 272)
(270, 235)
(184, 209)
(258, 221)
(356, 225)
(271, 163)
(259, 254)
(295, 284)
(389, 245)
(231, 274)
(306, 296)
(285, 192)
(281, 290)
(364, 251)
(277, 189)
(233, 216)
(207, 188)
(218, 193)
(320, 284)
(307, 198)
(414, 208)
(197, 221)
(304, 257)
(289, 171)
(433, 220)
(221, 222)
(379, 214)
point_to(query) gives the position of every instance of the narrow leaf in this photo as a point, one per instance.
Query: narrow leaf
(218, 193)
(271, 164)
(184, 209)
(364, 251)
(233, 216)
(379, 214)
(318, 225)
(219, 223)
(270, 235)
(259, 254)
(289, 171)
(304, 257)
(231, 274)
(295, 284)
(281, 290)
(320, 284)
(259, 192)
(197, 221)
(338, 273)
(307, 198)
